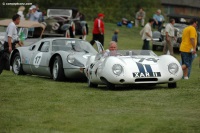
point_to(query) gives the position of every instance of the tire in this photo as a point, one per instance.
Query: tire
(16, 65)
(172, 85)
(57, 69)
(110, 86)
(91, 85)
(154, 47)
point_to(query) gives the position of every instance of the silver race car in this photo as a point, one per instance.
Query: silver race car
(132, 67)
(58, 58)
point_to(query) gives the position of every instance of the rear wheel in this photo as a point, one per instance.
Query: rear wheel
(58, 71)
(16, 65)
(171, 85)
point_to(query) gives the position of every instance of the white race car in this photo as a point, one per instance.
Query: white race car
(132, 67)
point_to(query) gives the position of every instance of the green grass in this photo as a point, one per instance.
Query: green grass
(33, 104)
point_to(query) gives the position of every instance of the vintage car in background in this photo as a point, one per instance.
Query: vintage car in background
(24, 33)
(68, 23)
(132, 67)
(182, 21)
(28, 36)
(58, 58)
(161, 35)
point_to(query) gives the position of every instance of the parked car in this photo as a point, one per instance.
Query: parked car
(23, 29)
(65, 23)
(161, 35)
(134, 67)
(181, 22)
(58, 58)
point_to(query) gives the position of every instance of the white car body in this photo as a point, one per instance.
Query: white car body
(133, 67)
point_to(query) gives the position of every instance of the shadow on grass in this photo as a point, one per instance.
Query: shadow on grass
(133, 87)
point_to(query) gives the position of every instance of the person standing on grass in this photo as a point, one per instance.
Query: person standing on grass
(115, 36)
(98, 30)
(11, 39)
(169, 31)
(147, 34)
(188, 46)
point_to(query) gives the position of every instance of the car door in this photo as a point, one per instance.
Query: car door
(40, 59)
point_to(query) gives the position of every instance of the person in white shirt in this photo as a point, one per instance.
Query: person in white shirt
(147, 34)
(11, 39)
(11, 36)
(20, 12)
(169, 37)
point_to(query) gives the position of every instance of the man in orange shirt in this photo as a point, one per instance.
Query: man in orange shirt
(98, 29)
(188, 46)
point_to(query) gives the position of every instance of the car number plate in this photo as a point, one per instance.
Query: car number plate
(146, 74)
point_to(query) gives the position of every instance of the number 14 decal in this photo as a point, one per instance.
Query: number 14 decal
(147, 59)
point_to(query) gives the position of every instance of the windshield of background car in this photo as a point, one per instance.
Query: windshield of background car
(74, 45)
(130, 53)
(59, 12)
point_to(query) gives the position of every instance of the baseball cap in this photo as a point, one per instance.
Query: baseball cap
(101, 15)
(32, 7)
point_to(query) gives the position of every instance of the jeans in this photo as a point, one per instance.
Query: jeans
(145, 45)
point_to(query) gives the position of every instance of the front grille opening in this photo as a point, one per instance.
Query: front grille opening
(146, 79)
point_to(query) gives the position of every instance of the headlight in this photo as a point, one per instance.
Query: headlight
(71, 59)
(173, 68)
(117, 69)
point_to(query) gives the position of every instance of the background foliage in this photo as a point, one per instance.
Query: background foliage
(114, 10)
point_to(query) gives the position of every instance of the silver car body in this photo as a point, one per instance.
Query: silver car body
(39, 58)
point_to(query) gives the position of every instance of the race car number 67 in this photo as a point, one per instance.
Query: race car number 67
(37, 60)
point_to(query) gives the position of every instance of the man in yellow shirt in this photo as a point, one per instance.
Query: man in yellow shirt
(188, 46)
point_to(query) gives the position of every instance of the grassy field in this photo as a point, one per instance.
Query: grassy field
(32, 104)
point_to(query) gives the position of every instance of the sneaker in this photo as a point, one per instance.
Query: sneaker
(186, 78)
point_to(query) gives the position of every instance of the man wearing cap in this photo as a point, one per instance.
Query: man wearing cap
(33, 14)
(98, 29)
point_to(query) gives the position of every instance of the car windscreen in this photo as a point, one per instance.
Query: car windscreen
(130, 53)
(59, 12)
(73, 45)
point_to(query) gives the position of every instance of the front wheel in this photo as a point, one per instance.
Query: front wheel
(171, 85)
(58, 71)
(110, 86)
(16, 65)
